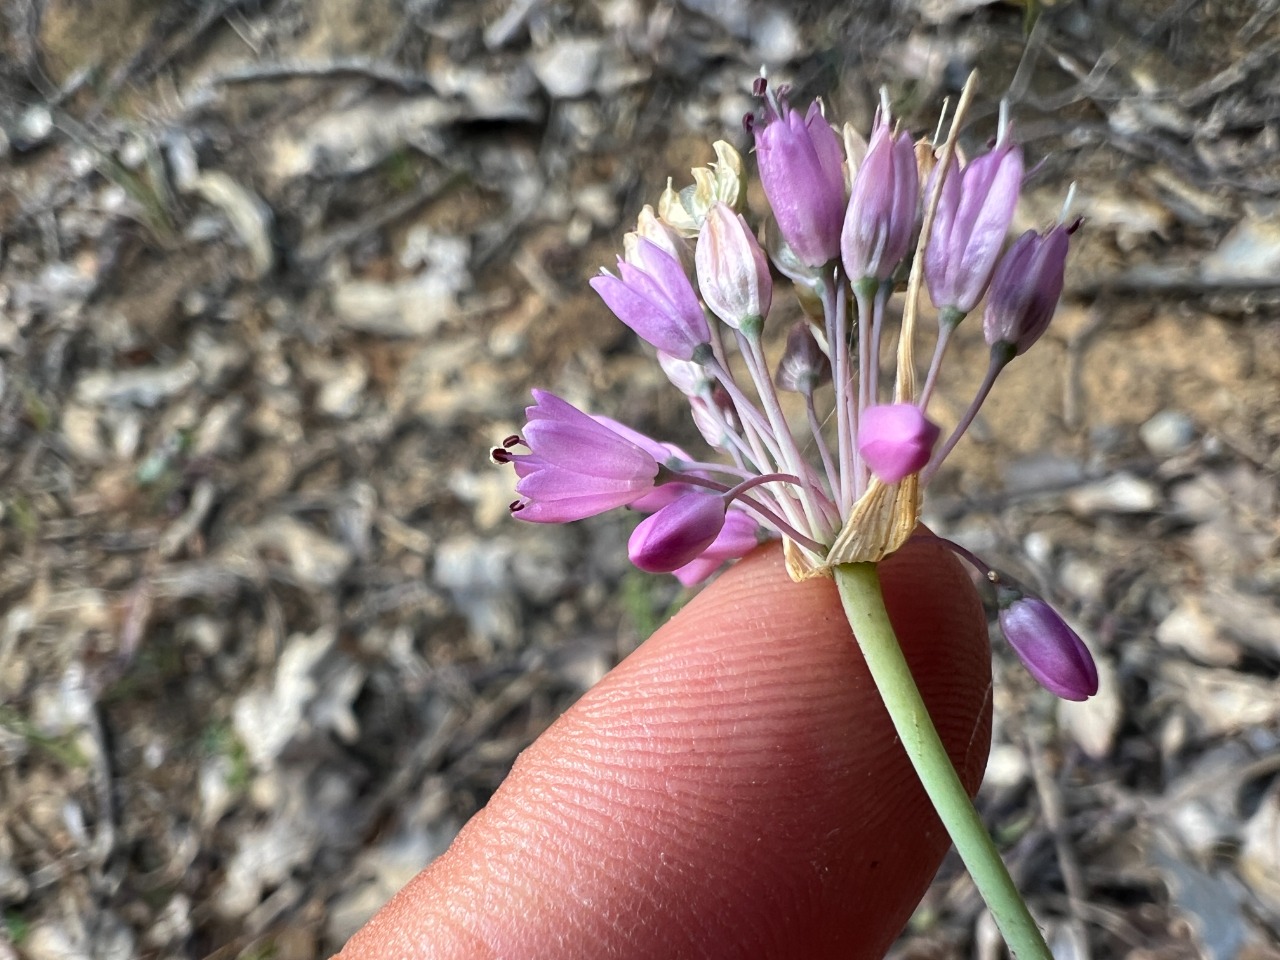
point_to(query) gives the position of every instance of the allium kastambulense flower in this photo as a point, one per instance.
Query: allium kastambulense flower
(840, 480)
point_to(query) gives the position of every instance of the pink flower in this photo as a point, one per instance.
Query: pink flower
(654, 297)
(895, 440)
(1025, 291)
(973, 219)
(882, 208)
(801, 170)
(575, 467)
(667, 454)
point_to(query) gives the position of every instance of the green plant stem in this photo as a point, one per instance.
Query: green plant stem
(860, 592)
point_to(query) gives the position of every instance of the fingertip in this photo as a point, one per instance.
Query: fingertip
(734, 788)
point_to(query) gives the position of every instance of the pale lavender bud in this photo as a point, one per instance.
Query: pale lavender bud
(575, 467)
(881, 218)
(712, 421)
(649, 227)
(972, 221)
(733, 273)
(678, 533)
(1052, 652)
(1025, 291)
(802, 172)
(895, 440)
(686, 376)
(740, 535)
(803, 366)
(655, 298)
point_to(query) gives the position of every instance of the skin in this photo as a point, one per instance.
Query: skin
(734, 789)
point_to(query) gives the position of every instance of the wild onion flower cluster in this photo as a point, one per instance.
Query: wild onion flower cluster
(838, 479)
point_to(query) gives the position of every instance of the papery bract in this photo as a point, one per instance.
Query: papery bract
(895, 440)
(678, 533)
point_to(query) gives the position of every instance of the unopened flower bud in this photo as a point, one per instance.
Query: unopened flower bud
(895, 440)
(721, 182)
(974, 213)
(1025, 291)
(678, 533)
(803, 366)
(733, 273)
(688, 377)
(801, 166)
(655, 298)
(740, 535)
(1052, 652)
(881, 218)
(651, 228)
(713, 421)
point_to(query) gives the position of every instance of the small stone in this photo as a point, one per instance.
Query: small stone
(568, 67)
(1082, 579)
(775, 36)
(82, 434)
(341, 391)
(33, 128)
(145, 387)
(1191, 629)
(1119, 493)
(1167, 433)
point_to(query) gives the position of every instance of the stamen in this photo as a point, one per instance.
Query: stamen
(500, 455)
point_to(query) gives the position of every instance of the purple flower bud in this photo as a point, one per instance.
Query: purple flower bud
(733, 273)
(740, 535)
(801, 170)
(678, 533)
(1049, 649)
(895, 440)
(655, 299)
(575, 467)
(1025, 290)
(882, 208)
(973, 218)
(803, 366)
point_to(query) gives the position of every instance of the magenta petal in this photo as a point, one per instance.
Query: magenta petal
(800, 169)
(1052, 652)
(895, 440)
(695, 571)
(676, 534)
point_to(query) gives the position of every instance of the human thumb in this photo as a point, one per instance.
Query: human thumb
(733, 789)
